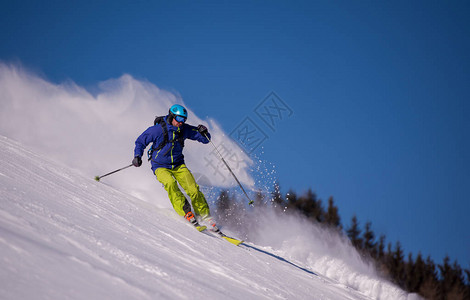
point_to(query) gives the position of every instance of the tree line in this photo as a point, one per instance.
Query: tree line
(412, 273)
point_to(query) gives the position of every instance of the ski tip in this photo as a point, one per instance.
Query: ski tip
(251, 202)
(232, 240)
(97, 178)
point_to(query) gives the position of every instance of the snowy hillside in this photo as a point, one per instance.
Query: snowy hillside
(65, 236)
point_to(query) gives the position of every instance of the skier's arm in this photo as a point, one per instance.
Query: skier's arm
(148, 136)
(192, 133)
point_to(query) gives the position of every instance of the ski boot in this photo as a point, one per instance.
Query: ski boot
(191, 219)
(211, 224)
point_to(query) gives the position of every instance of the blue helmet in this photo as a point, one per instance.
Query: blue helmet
(178, 110)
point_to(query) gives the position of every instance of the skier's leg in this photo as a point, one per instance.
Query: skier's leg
(201, 208)
(188, 183)
(177, 199)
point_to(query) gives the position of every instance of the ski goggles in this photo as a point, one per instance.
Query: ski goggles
(180, 119)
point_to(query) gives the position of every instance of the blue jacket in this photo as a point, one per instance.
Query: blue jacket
(171, 155)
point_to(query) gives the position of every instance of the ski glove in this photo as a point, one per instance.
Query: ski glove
(137, 161)
(202, 130)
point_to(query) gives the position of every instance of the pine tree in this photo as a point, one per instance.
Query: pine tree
(309, 206)
(429, 289)
(388, 260)
(452, 283)
(416, 279)
(467, 285)
(409, 276)
(397, 267)
(332, 218)
(369, 240)
(459, 289)
(445, 270)
(354, 233)
(381, 249)
(313, 207)
(291, 199)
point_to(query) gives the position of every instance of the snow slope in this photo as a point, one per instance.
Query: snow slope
(64, 236)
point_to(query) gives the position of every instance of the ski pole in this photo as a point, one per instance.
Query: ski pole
(97, 178)
(226, 164)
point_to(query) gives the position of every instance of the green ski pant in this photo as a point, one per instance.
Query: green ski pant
(181, 174)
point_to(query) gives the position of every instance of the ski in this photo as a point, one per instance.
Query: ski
(200, 228)
(232, 240)
(229, 239)
(218, 233)
(214, 230)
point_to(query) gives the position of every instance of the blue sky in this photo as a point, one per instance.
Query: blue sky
(378, 92)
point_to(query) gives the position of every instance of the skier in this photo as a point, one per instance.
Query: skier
(166, 155)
